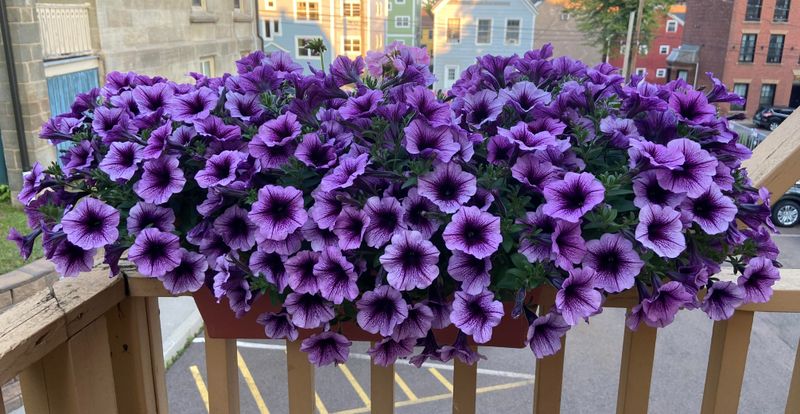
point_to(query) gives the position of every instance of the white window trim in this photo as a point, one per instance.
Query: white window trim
(640, 71)
(211, 65)
(675, 22)
(297, 48)
(519, 33)
(477, 31)
(397, 18)
(448, 83)
(389, 6)
(262, 23)
(665, 49)
(306, 21)
(460, 31)
(661, 73)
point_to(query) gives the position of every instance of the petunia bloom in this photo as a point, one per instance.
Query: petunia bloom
(155, 252)
(578, 297)
(694, 175)
(278, 326)
(410, 261)
(712, 210)
(188, 276)
(91, 224)
(144, 215)
(345, 174)
(660, 230)
(122, 160)
(476, 315)
(278, 212)
(350, 226)
(385, 220)
(544, 334)
(722, 298)
(336, 276)
(300, 270)
(236, 228)
(474, 232)
(386, 351)
(161, 179)
(70, 260)
(381, 310)
(573, 197)
(220, 169)
(660, 309)
(614, 260)
(428, 141)
(757, 280)
(448, 186)
(326, 348)
(473, 273)
(308, 311)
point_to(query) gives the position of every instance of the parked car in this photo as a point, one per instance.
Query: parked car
(770, 117)
(786, 212)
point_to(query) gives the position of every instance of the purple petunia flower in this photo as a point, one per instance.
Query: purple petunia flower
(300, 270)
(31, 183)
(647, 192)
(157, 141)
(91, 224)
(410, 261)
(722, 299)
(473, 273)
(656, 155)
(474, 232)
(659, 310)
(573, 197)
(236, 229)
(193, 106)
(426, 140)
(476, 315)
(188, 276)
(620, 132)
(525, 139)
(362, 106)
(345, 173)
(155, 252)
(481, 107)
(246, 106)
(308, 311)
(525, 96)
(418, 214)
(500, 150)
(385, 220)
(70, 260)
(143, 215)
(537, 247)
(712, 210)
(757, 280)
(279, 131)
(161, 179)
(430, 351)
(230, 281)
(78, 158)
(427, 107)
(213, 127)
(314, 153)
(336, 276)
(326, 348)
(278, 326)
(544, 334)
(112, 124)
(448, 187)
(578, 297)
(615, 262)
(151, 98)
(461, 350)
(692, 106)
(350, 227)
(278, 212)
(270, 265)
(24, 243)
(386, 351)
(533, 173)
(326, 208)
(380, 310)
(659, 229)
(416, 325)
(122, 160)
(220, 169)
(696, 173)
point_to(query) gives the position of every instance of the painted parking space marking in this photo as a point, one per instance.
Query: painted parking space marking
(201, 385)
(354, 383)
(251, 384)
(438, 375)
(404, 387)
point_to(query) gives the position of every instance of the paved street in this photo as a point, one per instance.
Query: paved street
(505, 378)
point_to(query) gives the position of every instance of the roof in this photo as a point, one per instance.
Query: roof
(685, 54)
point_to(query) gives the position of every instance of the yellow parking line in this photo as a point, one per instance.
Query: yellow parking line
(201, 385)
(435, 372)
(251, 384)
(403, 386)
(356, 386)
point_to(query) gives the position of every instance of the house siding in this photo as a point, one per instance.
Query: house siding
(408, 35)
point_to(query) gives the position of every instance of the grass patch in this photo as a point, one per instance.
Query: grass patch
(11, 216)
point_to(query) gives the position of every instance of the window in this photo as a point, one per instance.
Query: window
(302, 48)
(307, 10)
(663, 50)
(450, 75)
(270, 4)
(641, 71)
(753, 12)
(781, 11)
(484, 32)
(199, 4)
(453, 30)
(237, 4)
(775, 53)
(269, 28)
(400, 1)
(512, 31)
(748, 47)
(767, 97)
(207, 66)
(564, 16)
(351, 8)
(352, 44)
(741, 90)
(402, 21)
(661, 73)
(389, 7)
(644, 50)
(683, 75)
(672, 26)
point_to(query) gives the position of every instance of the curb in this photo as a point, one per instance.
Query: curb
(174, 342)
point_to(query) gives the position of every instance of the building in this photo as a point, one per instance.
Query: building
(468, 28)
(62, 48)
(347, 27)
(426, 36)
(404, 21)
(556, 26)
(651, 58)
(751, 45)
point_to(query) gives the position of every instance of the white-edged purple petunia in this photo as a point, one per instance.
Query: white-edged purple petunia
(410, 261)
(614, 260)
(278, 212)
(381, 310)
(476, 315)
(474, 232)
(569, 199)
(448, 186)
(91, 224)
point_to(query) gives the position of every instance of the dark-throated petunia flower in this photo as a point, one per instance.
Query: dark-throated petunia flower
(533, 173)
(385, 220)
(536, 243)
(430, 351)
(236, 229)
(230, 281)
(480, 107)
(91, 224)
(656, 155)
(648, 192)
(416, 325)
(278, 212)
(155, 252)
(300, 270)
(482, 199)
(694, 175)
(288, 246)
(70, 260)
(476, 315)
(721, 299)
(326, 348)
(278, 326)
(429, 141)
(619, 131)
(545, 332)
(757, 280)
(500, 150)
(326, 208)
(319, 238)
(569, 199)
(213, 127)
(193, 106)
(350, 226)
(568, 246)
(157, 141)
(692, 106)
(659, 310)
(161, 179)
(151, 98)
(188, 276)
(122, 160)
(419, 214)
(271, 266)
(525, 96)
(410, 261)
(245, 106)
(60, 129)
(279, 131)
(361, 106)
(473, 273)
(112, 124)
(712, 210)
(315, 153)
(336, 276)
(31, 183)
(614, 260)
(144, 215)
(474, 232)
(24, 243)
(386, 351)
(660, 230)
(448, 186)
(220, 169)
(345, 71)
(308, 311)
(78, 158)
(526, 140)
(212, 246)
(380, 310)
(578, 298)
(460, 350)
(345, 174)
(424, 103)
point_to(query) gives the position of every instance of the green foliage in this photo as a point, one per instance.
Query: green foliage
(5, 194)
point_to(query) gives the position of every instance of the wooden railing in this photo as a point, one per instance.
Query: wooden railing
(65, 30)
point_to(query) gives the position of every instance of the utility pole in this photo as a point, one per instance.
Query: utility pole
(627, 62)
(639, 18)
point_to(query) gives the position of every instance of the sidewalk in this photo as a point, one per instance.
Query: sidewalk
(180, 323)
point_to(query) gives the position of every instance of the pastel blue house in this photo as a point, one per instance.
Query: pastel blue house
(465, 29)
(348, 27)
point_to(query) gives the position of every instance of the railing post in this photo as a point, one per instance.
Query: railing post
(636, 370)
(381, 386)
(222, 371)
(793, 402)
(726, 361)
(465, 384)
(2, 404)
(300, 373)
(549, 370)
(77, 377)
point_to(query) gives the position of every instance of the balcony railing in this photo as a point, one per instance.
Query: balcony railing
(65, 30)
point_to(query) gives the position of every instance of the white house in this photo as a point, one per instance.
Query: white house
(466, 29)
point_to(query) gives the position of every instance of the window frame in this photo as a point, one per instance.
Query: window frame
(786, 7)
(753, 9)
(211, 61)
(746, 91)
(397, 19)
(664, 49)
(351, 3)
(673, 24)
(400, 1)
(478, 31)
(774, 88)
(447, 82)
(263, 24)
(640, 71)
(751, 47)
(771, 47)
(267, 5)
(644, 50)
(661, 73)
(297, 54)
(682, 74)
(307, 19)
(519, 32)
(449, 39)
(352, 41)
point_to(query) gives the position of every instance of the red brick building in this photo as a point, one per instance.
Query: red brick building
(752, 45)
(652, 58)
